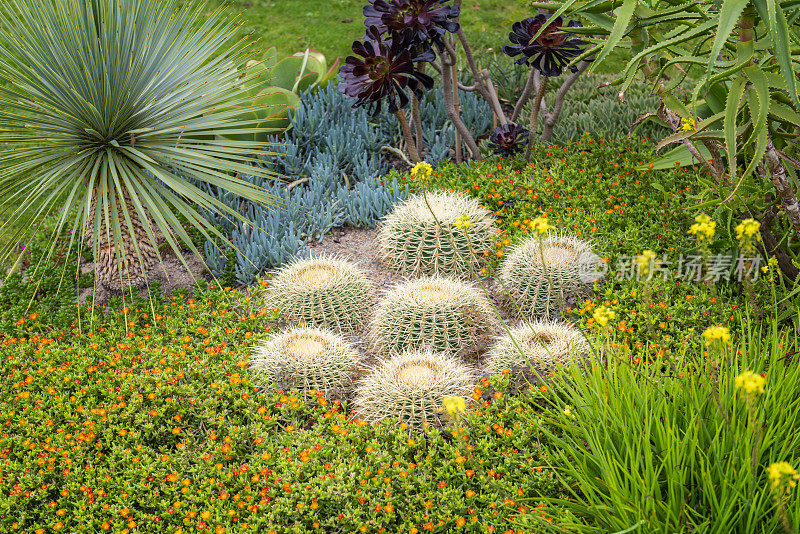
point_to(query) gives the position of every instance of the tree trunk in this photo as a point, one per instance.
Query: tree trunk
(113, 271)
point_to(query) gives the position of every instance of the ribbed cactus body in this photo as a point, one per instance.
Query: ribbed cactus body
(411, 387)
(543, 345)
(415, 242)
(543, 274)
(306, 359)
(439, 313)
(324, 292)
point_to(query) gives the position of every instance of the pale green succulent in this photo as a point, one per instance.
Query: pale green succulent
(542, 274)
(538, 345)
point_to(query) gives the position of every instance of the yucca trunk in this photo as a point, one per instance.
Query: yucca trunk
(116, 271)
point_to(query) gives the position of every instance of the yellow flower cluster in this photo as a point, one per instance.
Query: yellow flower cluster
(540, 225)
(703, 228)
(645, 262)
(717, 333)
(747, 233)
(463, 222)
(689, 124)
(422, 171)
(454, 405)
(750, 383)
(782, 477)
(603, 315)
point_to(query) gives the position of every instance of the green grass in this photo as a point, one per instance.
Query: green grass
(331, 26)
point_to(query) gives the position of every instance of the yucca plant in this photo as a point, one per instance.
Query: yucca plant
(112, 111)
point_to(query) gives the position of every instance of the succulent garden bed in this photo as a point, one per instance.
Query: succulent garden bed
(438, 289)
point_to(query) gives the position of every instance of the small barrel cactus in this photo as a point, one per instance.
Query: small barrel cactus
(322, 291)
(306, 359)
(412, 387)
(439, 313)
(454, 241)
(543, 274)
(539, 345)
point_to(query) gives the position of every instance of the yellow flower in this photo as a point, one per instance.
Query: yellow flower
(568, 411)
(750, 383)
(454, 405)
(646, 261)
(782, 477)
(603, 315)
(748, 228)
(422, 171)
(689, 124)
(540, 225)
(717, 333)
(463, 222)
(704, 228)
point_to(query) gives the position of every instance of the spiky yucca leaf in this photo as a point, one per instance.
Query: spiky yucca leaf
(443, 314)
(411, 387)
(543, 273)
(307, 359)
(322, 291)
(439, 233)
(112, 112)
(539, 345)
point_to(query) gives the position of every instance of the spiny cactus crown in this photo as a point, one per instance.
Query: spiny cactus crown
(541, 274)
(322, 291)
(411, 387)
(544, 344)
(306, 358)
(439, 233)
(440, 313)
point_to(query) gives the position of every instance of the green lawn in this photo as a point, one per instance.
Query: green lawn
(330, 26)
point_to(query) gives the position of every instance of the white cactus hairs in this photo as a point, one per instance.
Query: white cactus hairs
(544, 344)
(412, 386)
(322, 291)
(539, 290)
(441, 313)
(306, 358)
(414, 243)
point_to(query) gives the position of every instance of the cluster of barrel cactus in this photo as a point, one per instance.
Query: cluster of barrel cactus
(437, 233)
(424, 331)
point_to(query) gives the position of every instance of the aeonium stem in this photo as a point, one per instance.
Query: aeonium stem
(537, 103)
(412, 147)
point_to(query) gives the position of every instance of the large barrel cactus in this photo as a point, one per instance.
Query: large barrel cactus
(438, 233)
(412, 387)
(322, 291)
(538, 345)
(442, 314)
(306, 359)
(543, 274)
